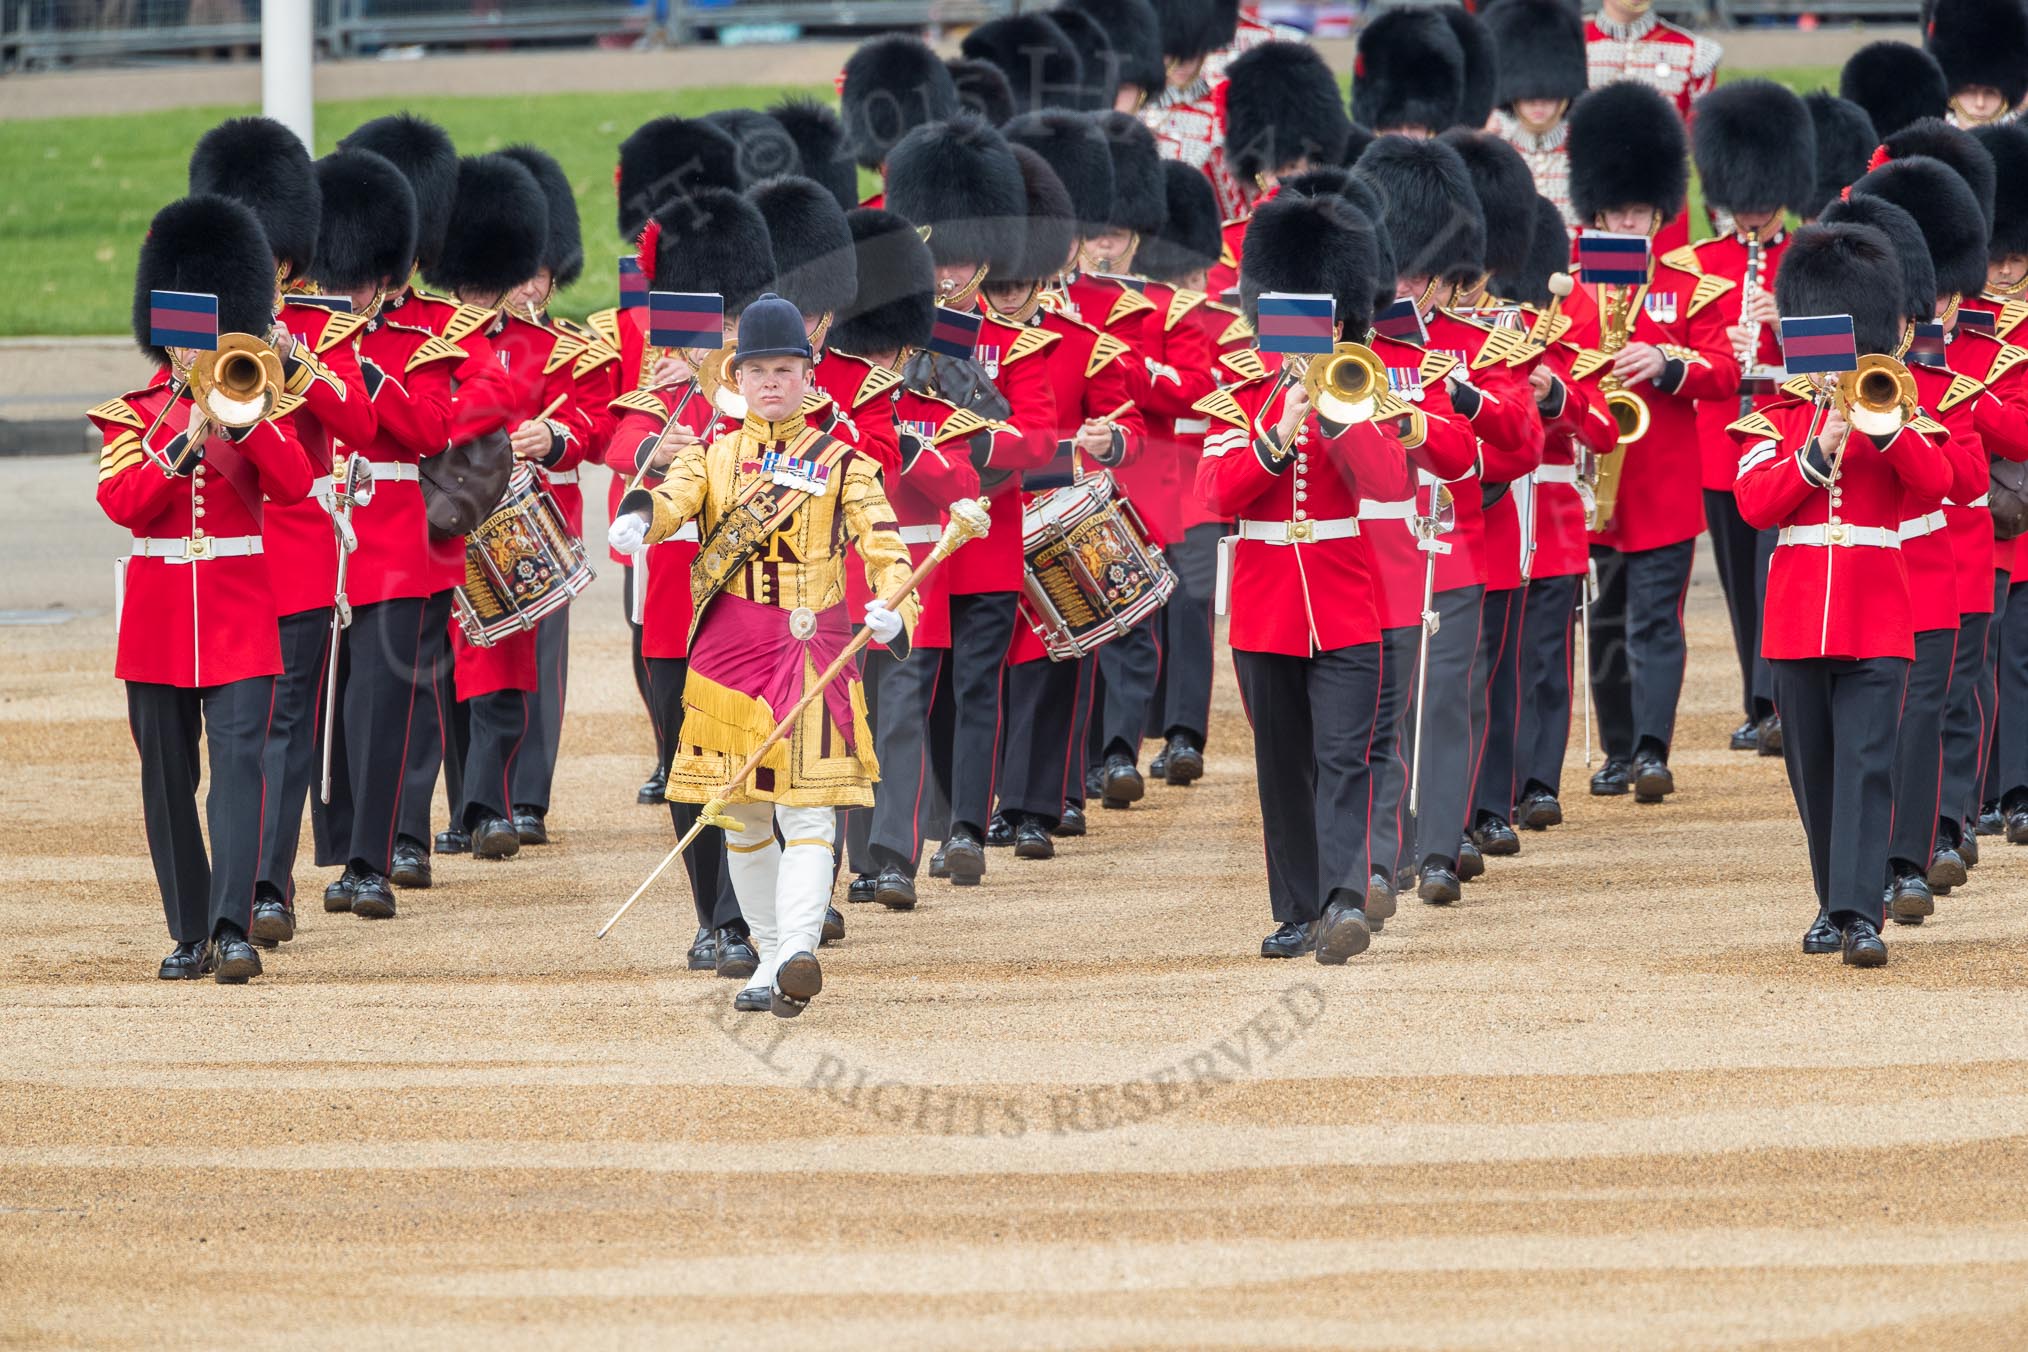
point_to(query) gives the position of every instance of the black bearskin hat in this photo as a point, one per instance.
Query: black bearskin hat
(1626, 149)
(1133, 36)
(260, 163)
(1980, 42)
(1194, 28)
(1409, 71)
(1548, 254)
(1282, 104)
(820, 144)
(1428, 209)
(1482, 65)
(669, 157)
(892, 85)
(207, 244)
(1506, 191)
(1042, 68)
(563, 255)
(1311, 246)
(1542, 52)
(499, 223)
(428, 160)
(896, 304)
(2007, 143)
(959, 178)
(711, 241)
(1190, 239)
(1845, 142)
(1952, 224)
(368, 231)
(1052, 225)
(810, 241)
(1844, 269)
(766, 150)
(1098, 67)
(1355, 145)
(1756, 147)
(1895, 83)
(982, 90)
(1326, 180)
(1904, 236)
(1959, 149)
(1076, 149)
(1140, 202)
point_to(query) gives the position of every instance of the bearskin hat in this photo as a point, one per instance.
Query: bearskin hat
(1408, 71)
(261, 163)
(892, 85)
(1195, 28)
(810, 241)
(1542, 52)
(959, 178)
(766, 150)
(208, 244)
(368, 230)
(670, 157)
(1482, 65)
(1337, 181)
(1506, 191)
(1140, 202)
(1895, 83)
(1952, 224)
(1052, 224)
(1282, 104)
(1073, 145)
(499, 224)
(427, 159)
(2007, 143)
(1845, 142)
(1957, 148)
(1844, 269)
(982, 90)
(1099, 67)
(895, 307)
(1311, 246)
(1755, 146)
(709, 241)
(1042, 67)
(1428, 208)
(1190, 239)
(820, 145)
(1133, 36)
(1355, 145)
(1326, 180)
(1980, 42)
(1548, 254)
(1626, 148)
(563, 255)
(1904, 236)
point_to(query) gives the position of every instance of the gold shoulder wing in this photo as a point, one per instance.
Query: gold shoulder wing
(878, 381)
(118, 412)
(1238, 331)
(1800, 387)
(639, 401)
(1221, 405)
(1245, 363)
(1128, 303)
(1928, 426)
(1181, 304)
(1963, 387)
(1684, 259)
(1709, 288)
(2011, 315)
(1588, 362)
(2005, 360)
(432, 349)
(1436, 365)
(284, 406)
(564, 353)
(341, 325)
(592, 356)
(468, 320)
(1755, 424)
(606, 324)
(1030, 342)
(1502, 347)
(1104, 349)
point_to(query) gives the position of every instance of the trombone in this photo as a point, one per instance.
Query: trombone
(1878, 398)
(235, 385)
(1345, 385)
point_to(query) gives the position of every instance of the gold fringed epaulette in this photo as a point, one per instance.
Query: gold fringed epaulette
(594, 355)
(1238, 331)
(1709, 288)
(879, 380)
(1684, 259)
(639, 401)
(1128, 304)
(606, 324)
(1030, 342)
(563, 354)
(285, 405)
(341, 325)
(1588, 362)
(1436, 365)
(1928, 426)
(1245, 363)
(964, 423)
(118, 412)
(121, 453)
(1103, 349)
(468, 320)
(1800, 387)
(1963, 387)
(432, 349)
(1221, 405)
(1755, 424)
(1502, 347)
(1181, 304)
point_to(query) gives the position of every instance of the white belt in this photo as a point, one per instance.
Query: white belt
(1373, 509)
(1299, 532)
(190, 551)
(1840, 533)
(384, 470)
(323, 486)
(1556, 474)
(686, 531)
(1918, 526)
(1190, 427)
(562, 476)
(1984, 499)
(921, 535)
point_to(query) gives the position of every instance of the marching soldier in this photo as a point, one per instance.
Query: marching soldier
(982, 91)
(1542, 73)
(1896, 83)
(1130, 56)
(1982, 46)
(1845, 142)
(198, 646)
(1187, 115)
(891, 86)
(1043, 68)
(1627, 41)
(820, 144)
(1408, 73)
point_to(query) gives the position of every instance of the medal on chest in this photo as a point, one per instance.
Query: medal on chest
(1405, 382)
(1660, 306)
(791, 471)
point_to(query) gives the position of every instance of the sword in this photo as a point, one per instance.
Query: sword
(1428, 530)
(1585, 586)
(356, 490)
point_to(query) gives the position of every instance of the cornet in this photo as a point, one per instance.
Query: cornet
(236, 385)
(1345, 383)
(1879, 397)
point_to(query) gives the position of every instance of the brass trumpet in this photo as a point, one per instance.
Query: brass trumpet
(1879, 397)
(238, 384)
(715, 383)
(1345, 383)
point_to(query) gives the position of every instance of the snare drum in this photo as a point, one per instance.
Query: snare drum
(1091, 572)
(521, 565)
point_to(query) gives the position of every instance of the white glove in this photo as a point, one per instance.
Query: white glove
(885, 624)
(628, 534)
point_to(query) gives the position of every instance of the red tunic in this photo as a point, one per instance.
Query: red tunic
(1449, 454)
(411, 377)
(1179, 353)
(1652, 51)
(1009, 356)
(1725, 257)
(2007, 316)
(301, 550)
(935, 470)
(1509, 431)
(1562, 546)
(1926, 549)
(662, 600)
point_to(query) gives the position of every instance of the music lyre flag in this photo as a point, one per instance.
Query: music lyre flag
(692, 319)
(1928, 345)
(633, 285)
(1816, 344)
(1605, 259)
(955, 333)
(336, 304)
(1287, 323)
(1979, 321)
(1402, 322)
(183, 319)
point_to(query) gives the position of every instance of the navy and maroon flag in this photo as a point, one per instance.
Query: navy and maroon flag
(183, 319)
(692, 319)
(1285, 323)
(1928, 346)
(634, 285)
(1605, 259)
(1979, 321)
(1819, 344)
(336, 304)
(1402, 322)
(955, 333)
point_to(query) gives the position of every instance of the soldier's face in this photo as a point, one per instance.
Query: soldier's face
(1539, 115)
(1129, 98)
(774, 386)
(533, 294)
(1635, 220)
(1759, 224)
(1182, 74)
(1979, 103)
(2009, 271)
(958, 282)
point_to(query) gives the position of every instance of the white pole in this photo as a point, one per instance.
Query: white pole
(287, 41)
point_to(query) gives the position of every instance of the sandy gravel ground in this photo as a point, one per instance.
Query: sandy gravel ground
(1603, 1103)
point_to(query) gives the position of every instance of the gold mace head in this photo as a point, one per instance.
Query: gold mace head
(970, 519)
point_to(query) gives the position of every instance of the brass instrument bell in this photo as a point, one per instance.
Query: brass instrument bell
(715, 383)
(239, 383)
(1345, 383)
(1879, 397)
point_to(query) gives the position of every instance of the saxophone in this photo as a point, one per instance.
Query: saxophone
(1629, 411)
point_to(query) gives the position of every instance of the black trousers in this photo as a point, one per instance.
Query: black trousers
(1548, 626)
(1312, 737)
(1637, 646)
(2008, 780)
(1183, 691)
(535, 767)
(1741, 554)
(1453, 695)
(890, 833)
(704, 862)
(1964, 727)
(1918, 751)
(1838, 741)
(1493, 779)
(376, 702)
(1037, 755)
(501, 722)
(1128, 668)
(1387, 839)
(1984, 789)
(289, 761)
(429, 750)
(965, 760)
(202, 890)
